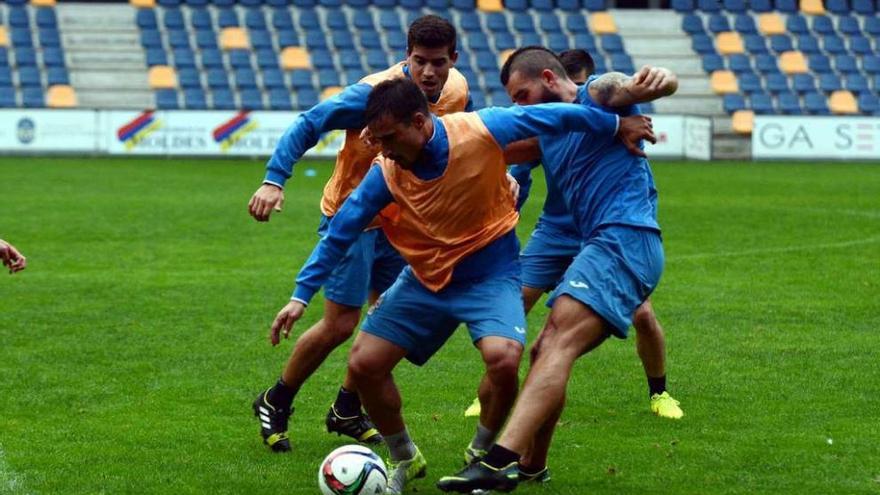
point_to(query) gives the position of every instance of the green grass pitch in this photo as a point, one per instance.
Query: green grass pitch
(133, 344)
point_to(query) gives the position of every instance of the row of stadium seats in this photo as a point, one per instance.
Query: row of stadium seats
(813, 7)
(437, 5)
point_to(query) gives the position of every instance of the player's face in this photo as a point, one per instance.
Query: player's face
(401, 141)
(429, 68)
(524, 90)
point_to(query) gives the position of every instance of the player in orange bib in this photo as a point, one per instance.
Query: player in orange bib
(440, 189)
(370, 264)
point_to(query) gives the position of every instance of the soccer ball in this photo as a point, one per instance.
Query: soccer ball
(352, 470)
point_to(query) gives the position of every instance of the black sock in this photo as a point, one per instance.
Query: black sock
(656, 385)
(347, 403)
(499, 457)
(281, 395)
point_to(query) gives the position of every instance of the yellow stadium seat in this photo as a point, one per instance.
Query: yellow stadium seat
(143, 4)
(793, 62)
(843, 102)
(724, 82)
(743, 121)
(234, 38)
(43, 3)
(60, 96)
(602, 23)
(490, 5)
(330, 91)
(503, 56)
(771, 23)
(812, 7)
(162, 77)
(729, 42)
(294, 57)
(4, 36)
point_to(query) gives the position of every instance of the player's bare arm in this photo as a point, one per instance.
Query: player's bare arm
(523, 151)
(616, 89)
(268, 197)
(11, 258)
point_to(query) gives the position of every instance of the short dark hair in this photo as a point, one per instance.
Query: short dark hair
(577, 60)
(400, 98)
(531, 61)
(431, 31)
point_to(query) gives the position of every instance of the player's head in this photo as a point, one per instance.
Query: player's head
(430, 52)
(535, 74)
(578, 65)
(398, 119)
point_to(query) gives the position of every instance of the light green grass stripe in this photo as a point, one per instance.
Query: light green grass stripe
(9, 480)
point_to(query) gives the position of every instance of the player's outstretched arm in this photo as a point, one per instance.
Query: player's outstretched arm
(516, 123)
(616, 89)
(12, 259)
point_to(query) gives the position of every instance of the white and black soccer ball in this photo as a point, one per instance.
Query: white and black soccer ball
(352, 470)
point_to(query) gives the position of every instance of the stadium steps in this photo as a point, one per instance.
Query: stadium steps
(104, 56)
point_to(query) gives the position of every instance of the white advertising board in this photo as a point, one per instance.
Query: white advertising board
(838, 138)
(24, 130)
(681, 137)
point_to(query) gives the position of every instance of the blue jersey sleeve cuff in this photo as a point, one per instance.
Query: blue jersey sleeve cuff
(275, 178)
(302, 294)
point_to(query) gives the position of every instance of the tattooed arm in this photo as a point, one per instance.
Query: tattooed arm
(615, 89)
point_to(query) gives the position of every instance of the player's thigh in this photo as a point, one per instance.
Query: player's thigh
(349, 281)
(374, 356)
(572, 328)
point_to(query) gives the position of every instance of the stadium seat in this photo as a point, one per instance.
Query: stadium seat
(145, 18)
(273, 79)
(46, 18)
(234, 38)
(178, 39)
(60, 96)
(834, 45)
(777, 83)
(194, 99)
(749, 83)
(846, 64)
(549, 23)
(829, 83)
(490, 5)
(711, 63)
(156, 56)
(397, 40)
(200, 18)
(523, 23)
(858, 83)
(189, 78)
(287, 38)
(350, 60)
(595, 5)
(166, 99)
(281, 19)
(173, 19)
(206, 39)
(279, 99)
(162, 76)
(622, 62)
(780, 43)
(869, 103)
(29, 77)
(342, 40)
(143, 4)
(7, 97)
(602, 23)
(837, 6)
(823, 25)
(25, 57)
(709, 5)
(820, 64)
(18, 17)
(528, 39)
(612, 43)
(184, 57)
(222, 99)
(315, 40)
(761, 6)
(295, 58)
(808, 45)
(585, 41)
(267, 59)
(504, 42)
(558, 42)
(733, 103)
(321, 59)
(816, 104)
(761, 104)
(729, 42)
(871, 64)
(254, 19)
(743, 121)
(864, 7)
(300, 79)
(848, 25)
(211, 58)
(53, 57)
(718, 23)
(703, 44)
(32, 98)
(745, 24)
(251, 99)
(789, 104)
(860, 45)
(724, 82)
(496, 22)
(149, 39)
(306, 98)
(692, 24)
(793, 62)
(755, 44)
(739, 63)
(872, 26)
(57, 75)
(570, 5)
(49, 37)
(683, 6)
(812, 7)
(735, 6)
(771, 23)
(21, 37)
(803, 83)
(797, 24)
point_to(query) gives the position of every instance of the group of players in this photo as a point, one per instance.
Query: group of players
(419, 220)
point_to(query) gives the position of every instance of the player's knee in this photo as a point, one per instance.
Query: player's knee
(361, 366)
(341, 327)
(502, 362)
(645, 320)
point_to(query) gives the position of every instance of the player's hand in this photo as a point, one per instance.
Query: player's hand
(650, 83)
(267, 198)
(12, 259)
(633, 129)
(514, 187)
(284, 321)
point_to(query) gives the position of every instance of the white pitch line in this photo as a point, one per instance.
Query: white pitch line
(9, 481)
(774, 250)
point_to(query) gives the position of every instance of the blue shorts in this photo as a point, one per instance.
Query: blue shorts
(371, 263)
(614, 273)
(548, 253)
(411, 316)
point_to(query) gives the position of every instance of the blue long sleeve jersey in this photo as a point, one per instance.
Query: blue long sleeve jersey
(372, 195)
(344, 110)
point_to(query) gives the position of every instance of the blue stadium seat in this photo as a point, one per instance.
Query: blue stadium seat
(145, 18)
(749, 83)
(183, 57)
(816, 104)
(709, 5)
(558, 42)
(596, 5)
(718, 23)
(467, 21)
(846, 64)
(755, 44)
(377, 60)
(288, 38)
(871, 64)
(496, 22)
(53, 57)
(829, 82)
(711, 63)
(464, 62)
(223, 3)
(279, 99)
(516, 5)
(25, 57)
(29, 77)
(761, 6)
(46, 18)
(858, 83)
(612, 43)
(486, 61)
(622, 62)
(733, 103)
(227, 17)
(49, 37)
(864, 7)
(273, 78)
(322, 59)
(4, 56)
(302, 4)
(463, 4)
(397, 40)
(504, 41)
(21, 37)
(541, 5)
(703, 44)
(683, 6)
(350, 59)
(7, 97)
(787, 6)
(412, 4)
(761, 103)
(371, 40)
(780, 43)
(601, 65)
(745, 24)
(194, 99)
(189, 78)
(819, 63)
(32, 98)
(5, 77)
(872, 26)
(569, 5)
(239, 59)
(585, 41)
(803, 83)
(330, 3)
(281, 19)
(777, 83)
(389, 21)
(789, 104)
(740, 63)
(837, 6)
(306, 99)
(169, 3)
(523, 23)
(528, 39)
(493, 80)
(196, 3)
(834, 45)
(173, 19)
(211, 59)
(868, 104)
(245, 78)
(200, 18)
(860, 45)
(254, 19)
(822, 24)
(156, 56)
(576, 24)
(382, 4)
(18, 17)
(178, 39)
(300, 79)
(735, 6)
(206, 39)
(692, 24)
(797, 24)
(267, 58)
(363, 22)
(222, 99)
(342, 40)
(549, 23)
(166, 99)
(251, 99)
(766, 64)
(315, 40)
(151, 39)
(218, 79)
(476, 41)
(808, 44)
(57, 75)
(848, 25)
